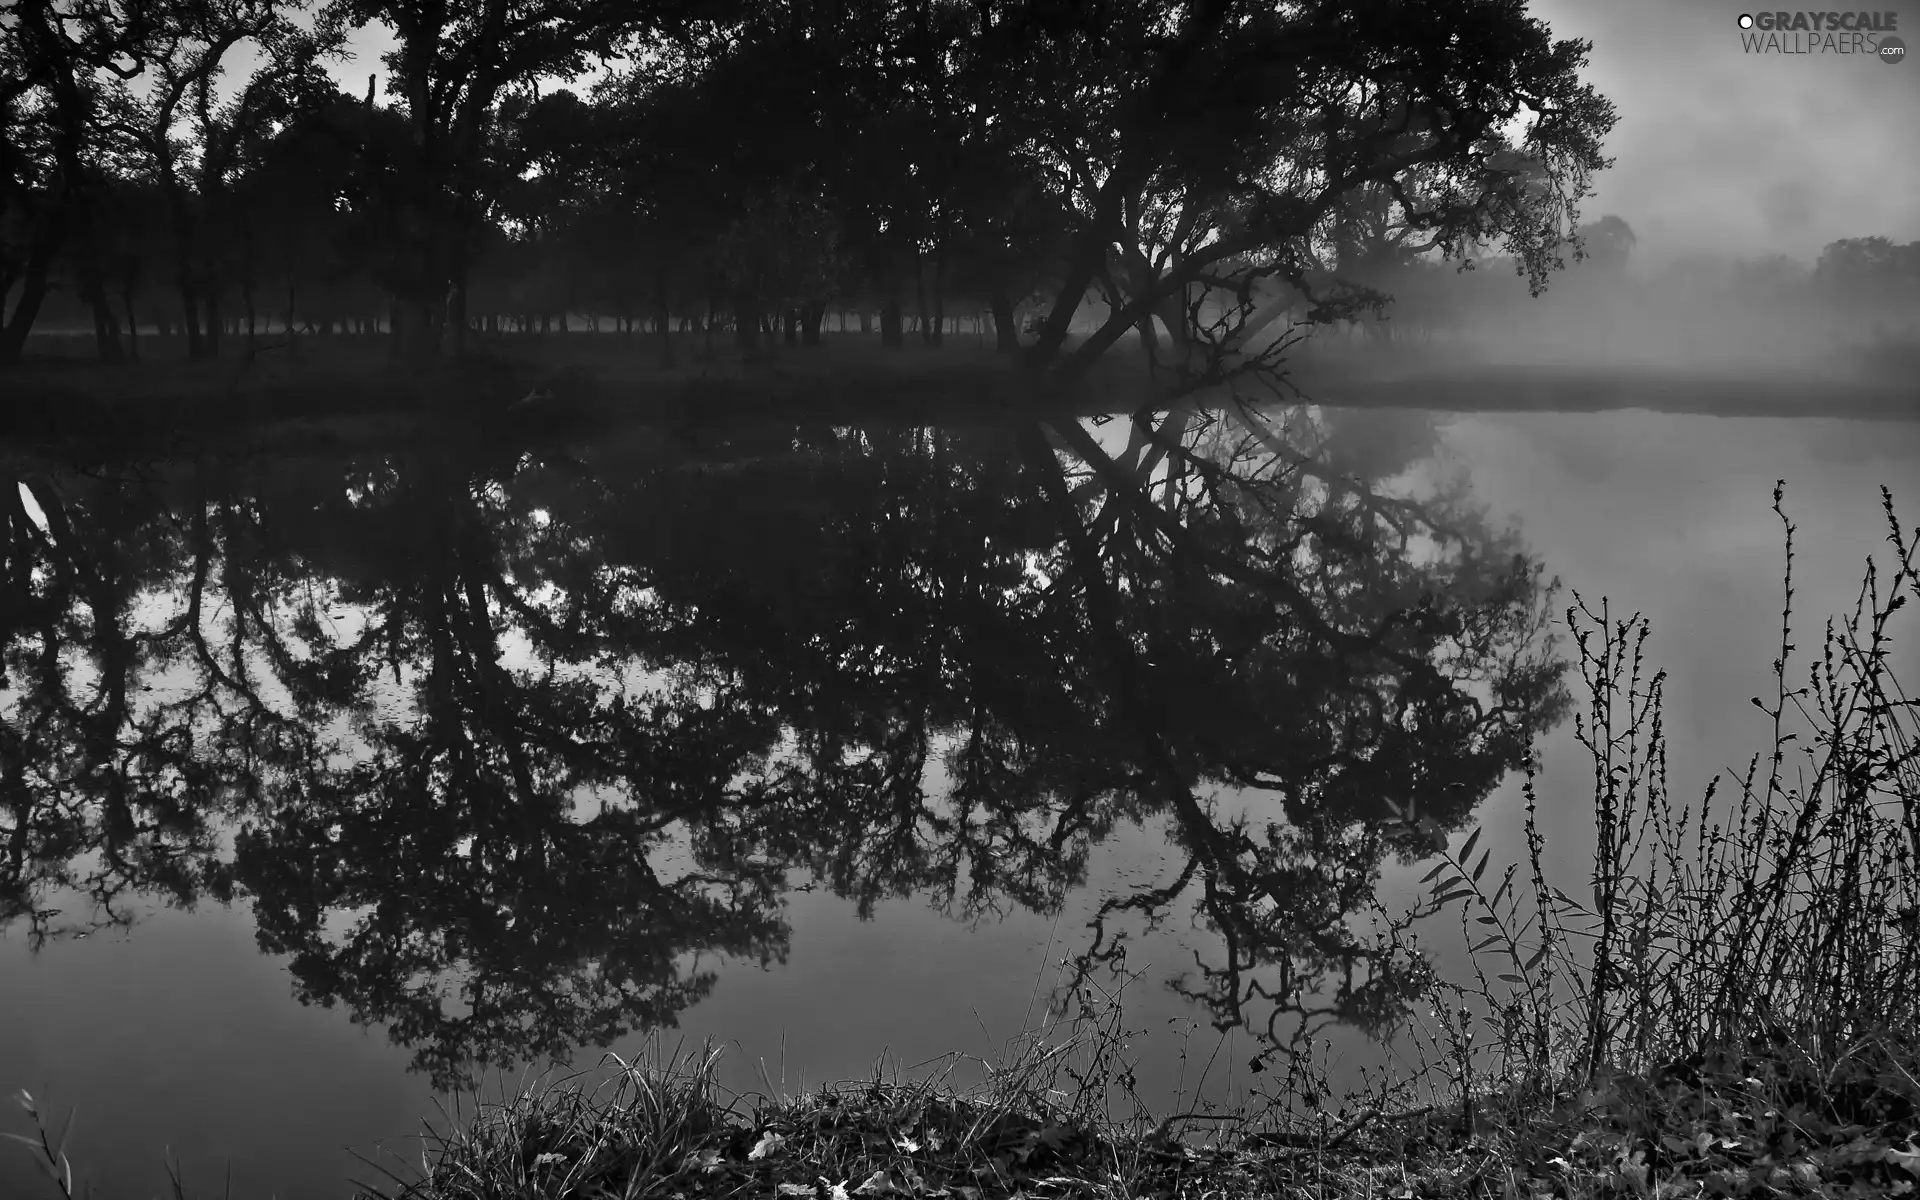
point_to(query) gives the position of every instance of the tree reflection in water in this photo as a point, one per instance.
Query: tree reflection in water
(505, 754)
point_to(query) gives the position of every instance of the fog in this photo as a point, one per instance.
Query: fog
(1705, 312)
(1746, 155)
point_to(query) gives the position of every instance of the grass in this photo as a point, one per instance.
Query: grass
(1736, 1014)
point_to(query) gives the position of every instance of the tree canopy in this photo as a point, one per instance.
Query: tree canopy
(766, 158)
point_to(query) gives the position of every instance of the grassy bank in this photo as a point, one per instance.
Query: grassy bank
(1736, 1013)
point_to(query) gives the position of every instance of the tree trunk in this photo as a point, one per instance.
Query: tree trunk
(746, 321)
(810, 319)
(133, 328)
(920, 300)
(666, 334)
(1149, 337)
(93, 290)
(866, 321)
(106, 324)
(34, 281)
(417, 333)
(246, 299)
(190, 310)
(210, 336)
(939, 296)
(790, 321)
(456, 326)
(1088, 258)
(1006, 335)
(891, 332)
(1183, 355)
(106, 327)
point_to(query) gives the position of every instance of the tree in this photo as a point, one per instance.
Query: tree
(1241, 130)
(54, 55)
(452, 63)
(196, 173)
(1608, 242)
(133, 250)
(1870, 272)
(782, 256)
(311, 204)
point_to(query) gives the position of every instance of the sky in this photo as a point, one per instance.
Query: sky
(1716, 150)
(1723, 151)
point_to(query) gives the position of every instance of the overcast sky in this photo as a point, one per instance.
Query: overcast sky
(1720, 150)
(1716, 149)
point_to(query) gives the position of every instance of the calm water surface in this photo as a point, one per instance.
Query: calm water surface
(329, 782)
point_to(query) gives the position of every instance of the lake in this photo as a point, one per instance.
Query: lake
(329, 777)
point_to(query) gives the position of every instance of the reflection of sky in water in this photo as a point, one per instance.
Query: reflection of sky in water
(1667, 514)
(183, 1033)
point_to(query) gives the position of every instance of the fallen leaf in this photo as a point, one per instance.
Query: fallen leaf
(1908, 1159)
(768, 1143)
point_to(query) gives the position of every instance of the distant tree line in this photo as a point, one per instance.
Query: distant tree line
(1184, 171)
(1869, 282)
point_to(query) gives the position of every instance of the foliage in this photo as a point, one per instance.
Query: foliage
(904, 153)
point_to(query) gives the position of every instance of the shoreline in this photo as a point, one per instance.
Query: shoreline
(558, 389)
(1769, 1119)
(1533, 388)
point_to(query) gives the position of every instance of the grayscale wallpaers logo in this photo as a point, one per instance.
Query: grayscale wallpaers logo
(1869, 34)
